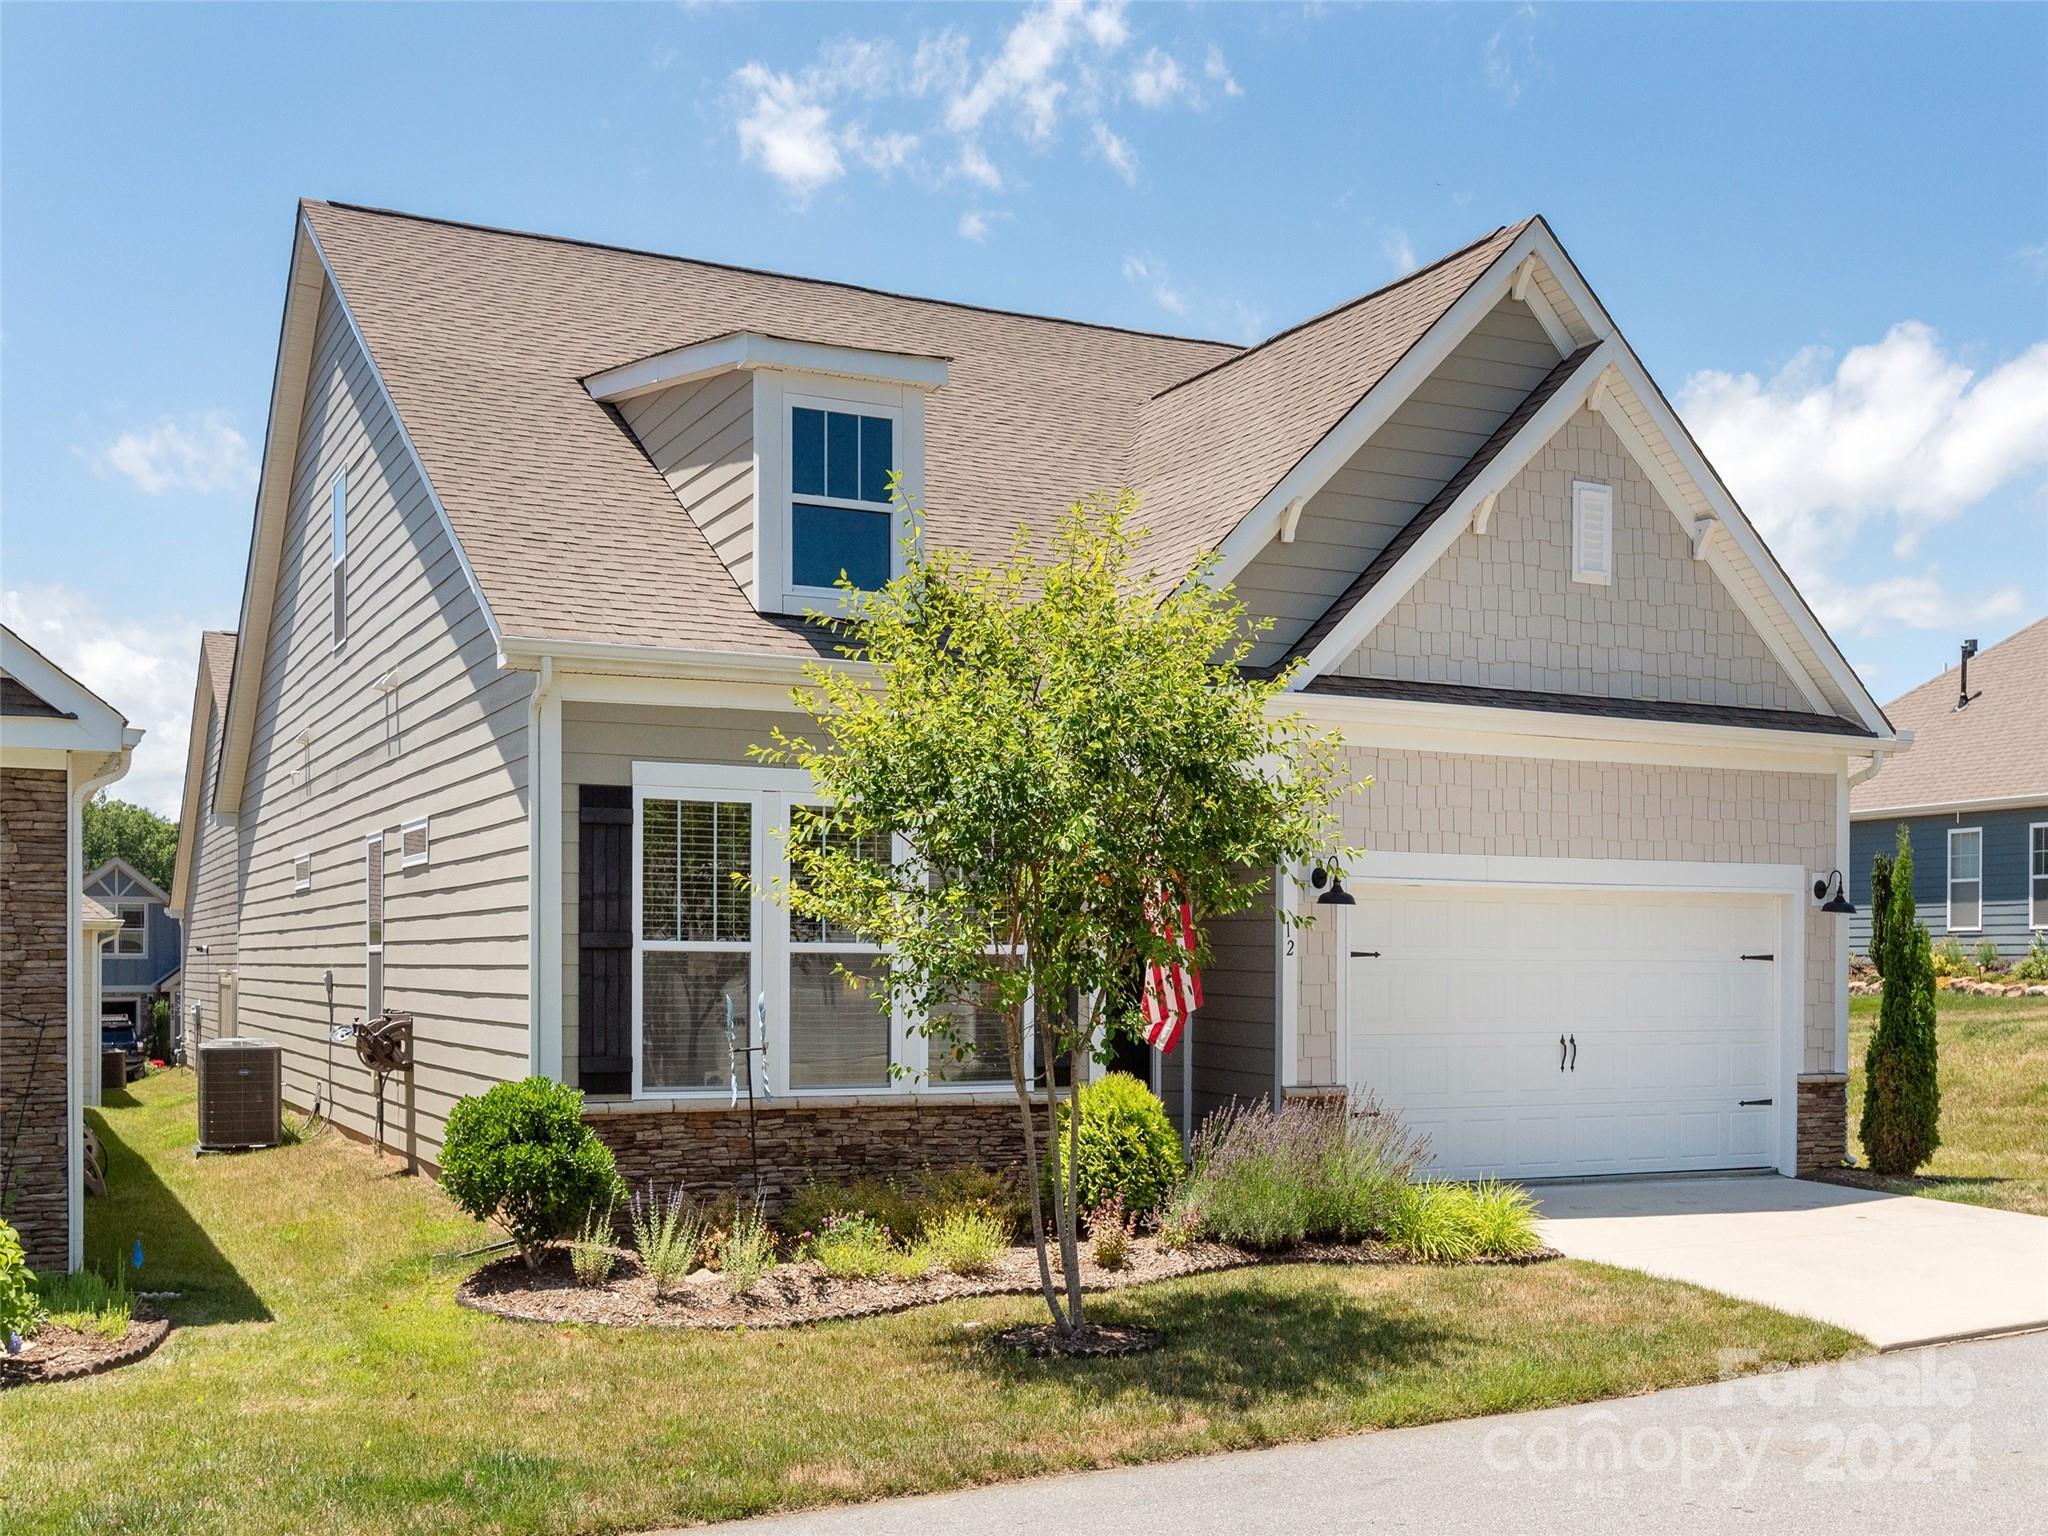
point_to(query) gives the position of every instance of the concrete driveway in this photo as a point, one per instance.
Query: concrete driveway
(1897, 1269)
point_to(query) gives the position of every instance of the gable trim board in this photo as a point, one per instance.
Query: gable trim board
(273, 494)
(148, 890)
(1944, 807)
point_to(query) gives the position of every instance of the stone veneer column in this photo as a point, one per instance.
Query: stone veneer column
(1823, 1124)
(33, 1034)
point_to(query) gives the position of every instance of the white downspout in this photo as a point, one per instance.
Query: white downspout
(536, 787)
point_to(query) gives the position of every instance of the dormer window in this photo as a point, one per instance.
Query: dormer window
(840, 459)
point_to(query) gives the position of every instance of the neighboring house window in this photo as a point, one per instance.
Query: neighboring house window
(1965, 879)
(2037, 877)
(373, 925)
(302, 872)
(133, 937)
(1592, 532)
(337, 554)
(412, 844)
(840, 460)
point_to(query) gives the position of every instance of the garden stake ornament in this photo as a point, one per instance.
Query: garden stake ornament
(756, 1048)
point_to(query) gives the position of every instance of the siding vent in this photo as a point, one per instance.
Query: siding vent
(412, 844)
(1592, 532)
(302, 872)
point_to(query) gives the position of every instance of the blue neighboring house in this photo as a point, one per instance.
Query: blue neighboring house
(140, 963)
(1973, 792)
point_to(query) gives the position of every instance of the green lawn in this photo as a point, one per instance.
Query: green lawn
(1993, 1054)
(323, 1380)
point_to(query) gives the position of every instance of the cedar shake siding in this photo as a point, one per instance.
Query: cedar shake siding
(33, 1146)
(411, 717)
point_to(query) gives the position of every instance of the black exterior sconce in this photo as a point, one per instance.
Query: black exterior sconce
(1336, 895)
(1839, 903)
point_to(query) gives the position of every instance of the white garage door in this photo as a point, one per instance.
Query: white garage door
(1547, 1034)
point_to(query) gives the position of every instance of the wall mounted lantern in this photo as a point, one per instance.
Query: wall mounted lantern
(1839, 903)
(1336, 895)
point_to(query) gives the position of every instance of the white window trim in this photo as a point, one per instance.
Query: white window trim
(1582, 492)
(337, 559)
(2037, 906)
(1949, 915)
(772, 793)
(776, 394)
(425, 855)
(302, 872)
(121, 910)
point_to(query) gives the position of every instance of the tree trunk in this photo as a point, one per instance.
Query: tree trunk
(1070, 1228)
(1014, 1028)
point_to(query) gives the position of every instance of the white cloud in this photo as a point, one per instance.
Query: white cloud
(1156, 79)
(1899, 431)
(195, 453)
(1053, 65)
(1918, 601)
(974, 225)
(1116, 153)
(789, 131)
(1511, 60)
(1218, 71)
(147, 669)
(1150, 273)
(978, 168)
(1399, 251)
(2034, 258)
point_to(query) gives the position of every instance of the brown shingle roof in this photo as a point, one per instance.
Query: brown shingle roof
(217, 661)
(1678, 711)
(482, 335)
(1996, 749)
(1210, 448)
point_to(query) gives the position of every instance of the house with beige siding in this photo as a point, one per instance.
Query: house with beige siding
(538, 526)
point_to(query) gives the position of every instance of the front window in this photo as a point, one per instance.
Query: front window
(697, 935)
(1965, 879)
(840, 463)
(706, 948)
(133, 938)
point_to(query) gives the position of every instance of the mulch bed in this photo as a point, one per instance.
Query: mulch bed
(56, 1353)
(795, 1294)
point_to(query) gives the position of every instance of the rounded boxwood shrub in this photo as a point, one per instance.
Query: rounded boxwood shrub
(1128, 1146)
(520, 1155)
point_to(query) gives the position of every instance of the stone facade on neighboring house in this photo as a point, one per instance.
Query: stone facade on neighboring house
(33, 1148)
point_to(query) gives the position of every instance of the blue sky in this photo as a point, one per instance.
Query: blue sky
(1824, 228)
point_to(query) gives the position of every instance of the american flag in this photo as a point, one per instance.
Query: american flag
(1173, 991)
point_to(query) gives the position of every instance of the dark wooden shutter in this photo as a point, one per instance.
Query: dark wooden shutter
(604, 926)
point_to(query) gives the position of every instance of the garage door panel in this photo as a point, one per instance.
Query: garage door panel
(1459, 1034)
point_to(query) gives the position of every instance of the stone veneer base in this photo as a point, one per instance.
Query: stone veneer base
(1823, 1129)
(704, 1149)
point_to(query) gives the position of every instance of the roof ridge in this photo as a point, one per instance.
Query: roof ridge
(791, 277)
(1351, 303)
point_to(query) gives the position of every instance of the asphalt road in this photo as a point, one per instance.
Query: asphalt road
(1949, 1438)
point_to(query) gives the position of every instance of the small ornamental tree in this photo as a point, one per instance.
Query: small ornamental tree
(1050, 745)
(1901, 1091)
(520, 1155)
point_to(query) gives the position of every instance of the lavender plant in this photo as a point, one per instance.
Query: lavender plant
(1312, 1171)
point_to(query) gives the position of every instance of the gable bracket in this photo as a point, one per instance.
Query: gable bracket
(1291, 519)
(1482, 515)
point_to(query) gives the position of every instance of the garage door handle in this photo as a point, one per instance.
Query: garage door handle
(1758, 957)
(1575, 1053)
(1560, 1053)
(1750, 1103)
(1365, 954)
